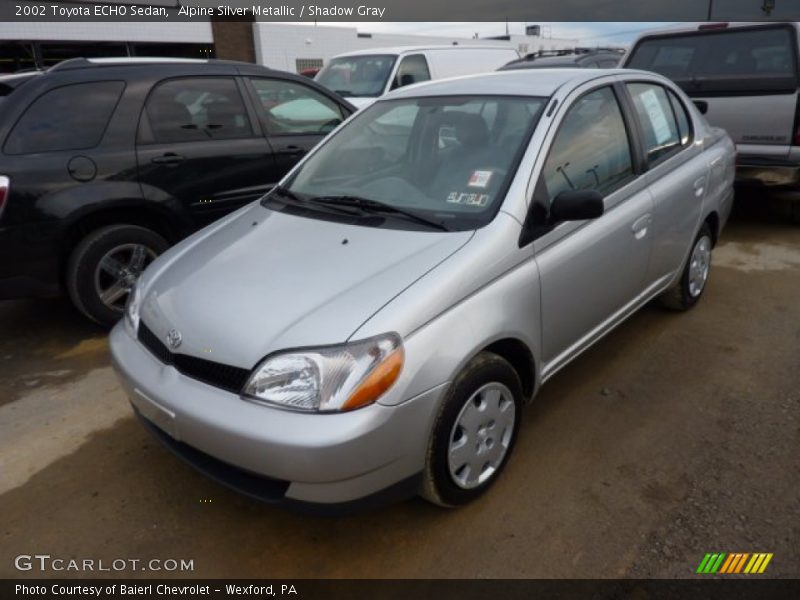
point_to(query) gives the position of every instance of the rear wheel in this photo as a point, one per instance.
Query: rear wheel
(686, 293)
(474, 432)
(104, 267)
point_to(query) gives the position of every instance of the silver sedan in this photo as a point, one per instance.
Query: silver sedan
(374, 327)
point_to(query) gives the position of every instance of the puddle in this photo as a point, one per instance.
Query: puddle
(51, 422)
(750, 257)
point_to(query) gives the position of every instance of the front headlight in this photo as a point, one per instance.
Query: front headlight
(336, 378)
(132, 307)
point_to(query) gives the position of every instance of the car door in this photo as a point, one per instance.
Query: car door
(591, 272)
(295, 116)
(677, 174)
(199, 146)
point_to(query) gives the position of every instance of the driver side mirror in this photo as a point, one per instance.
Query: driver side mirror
(576, 205)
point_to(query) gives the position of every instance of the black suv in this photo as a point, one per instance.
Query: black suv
(106, 162)
(582, 58)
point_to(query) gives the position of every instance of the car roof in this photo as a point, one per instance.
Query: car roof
(133, 61)
(15, 79)
(407, 49)
(517, 82)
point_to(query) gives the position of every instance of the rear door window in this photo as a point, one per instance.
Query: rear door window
(72, 117)
(657, 119)
(197, 109)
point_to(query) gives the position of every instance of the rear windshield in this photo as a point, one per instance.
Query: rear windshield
(723, 61)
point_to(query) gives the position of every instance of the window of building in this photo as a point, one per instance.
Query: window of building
(305, 64)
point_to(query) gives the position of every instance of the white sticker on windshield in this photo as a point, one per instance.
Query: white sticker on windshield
(479, 179)
(658, 119)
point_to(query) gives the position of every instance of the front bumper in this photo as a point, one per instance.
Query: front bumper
(281, 456)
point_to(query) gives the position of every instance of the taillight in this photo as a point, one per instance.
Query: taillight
(796, 129)
(5, 182)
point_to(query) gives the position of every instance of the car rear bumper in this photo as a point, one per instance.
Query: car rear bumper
(336, 461)
(772, 173)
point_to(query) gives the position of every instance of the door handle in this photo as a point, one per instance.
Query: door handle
(700, 186)
(170, 159)
(294, 149)
(640, 225)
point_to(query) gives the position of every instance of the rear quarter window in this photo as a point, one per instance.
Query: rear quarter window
(72, 117)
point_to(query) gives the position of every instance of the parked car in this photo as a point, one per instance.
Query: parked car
(365, 75)
(106, 162)
(311, 72)
(374, 327)
(583, 58)
(744, 78)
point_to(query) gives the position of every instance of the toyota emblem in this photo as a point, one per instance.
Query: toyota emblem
(174, 338)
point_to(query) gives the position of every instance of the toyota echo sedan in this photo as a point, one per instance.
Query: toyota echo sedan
(374, 326)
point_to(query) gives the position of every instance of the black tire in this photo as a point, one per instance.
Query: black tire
(439, 485)
(84, 262)
(680, 297)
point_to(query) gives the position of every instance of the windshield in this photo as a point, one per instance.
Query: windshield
(446, 160)
(358, 76)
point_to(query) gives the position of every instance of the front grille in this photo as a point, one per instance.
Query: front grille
(226, 377)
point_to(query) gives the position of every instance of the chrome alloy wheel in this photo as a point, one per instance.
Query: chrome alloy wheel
(118, 271)
(699, 266)
(481, 435)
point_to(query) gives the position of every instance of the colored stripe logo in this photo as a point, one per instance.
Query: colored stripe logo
(733, 563)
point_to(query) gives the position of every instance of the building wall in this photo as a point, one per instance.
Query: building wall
(280, 46)
(193, 32)
(233, 40)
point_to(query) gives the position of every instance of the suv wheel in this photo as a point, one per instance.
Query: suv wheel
(685, 294)
(104, 267)
(474, 432)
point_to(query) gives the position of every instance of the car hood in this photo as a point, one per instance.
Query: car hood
(267, 281)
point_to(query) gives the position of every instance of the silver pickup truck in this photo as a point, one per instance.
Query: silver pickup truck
(744, 78)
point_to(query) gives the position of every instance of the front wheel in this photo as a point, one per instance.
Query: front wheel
(104, 267)
(690, 287)
(474, 432)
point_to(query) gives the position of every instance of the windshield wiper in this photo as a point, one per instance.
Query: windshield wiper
(308, 202)
(368, 205)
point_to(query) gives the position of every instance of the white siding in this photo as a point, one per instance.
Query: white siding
(198, 32)
(280, 45)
